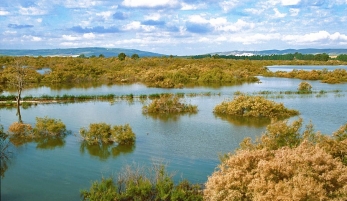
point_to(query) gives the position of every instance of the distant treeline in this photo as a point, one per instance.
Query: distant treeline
(295, 56)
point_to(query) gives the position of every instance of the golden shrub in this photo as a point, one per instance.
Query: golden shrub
(20, 129)
(169, 103)
(306, 172)
(254, 106)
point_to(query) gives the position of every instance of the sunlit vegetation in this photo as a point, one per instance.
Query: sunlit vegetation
(139, 183)
(305, 87)
(44, 127)
(99, 133)
(254, 106)
(158, 72)
(169, 103)
(284, 163)
(331, 77)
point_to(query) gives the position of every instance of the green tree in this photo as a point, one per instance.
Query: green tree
(121, 56)
(135, 56)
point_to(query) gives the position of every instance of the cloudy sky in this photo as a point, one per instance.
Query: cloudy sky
(178, 27)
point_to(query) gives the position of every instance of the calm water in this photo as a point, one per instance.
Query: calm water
(190, 144)
(288, 68)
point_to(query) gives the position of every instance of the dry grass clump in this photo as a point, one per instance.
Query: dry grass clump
(254, 106)
(169, 103)
(284, 164)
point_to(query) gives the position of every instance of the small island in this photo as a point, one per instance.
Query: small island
(254, 106)
(169, 103)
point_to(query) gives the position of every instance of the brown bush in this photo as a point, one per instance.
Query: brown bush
(306, 172)
(254, 106)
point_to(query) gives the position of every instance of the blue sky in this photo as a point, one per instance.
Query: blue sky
(178, 27)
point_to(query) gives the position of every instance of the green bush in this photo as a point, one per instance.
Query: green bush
(254, 106)
(304, 87)
(103, 133)
(49, 127)
(136, 183)
(169, 103)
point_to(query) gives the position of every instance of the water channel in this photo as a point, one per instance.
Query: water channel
(189, 144)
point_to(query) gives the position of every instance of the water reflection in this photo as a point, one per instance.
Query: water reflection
(245, 121)
(47, 142)
(5, 153)
(165, 117)
(104, 151)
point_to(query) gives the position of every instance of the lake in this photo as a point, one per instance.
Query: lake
(189, 144)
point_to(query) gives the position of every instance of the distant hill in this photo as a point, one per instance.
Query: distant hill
(331, 52)
(89, 51)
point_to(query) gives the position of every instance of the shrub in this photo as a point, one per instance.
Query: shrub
(306, 172)
(49, 127)
(136, 183)
(123, 134)
(20, 129)
(305, 87)
(254, 106)
(169, 103)
(103, 133)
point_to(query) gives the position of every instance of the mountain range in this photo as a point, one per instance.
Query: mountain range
(74, 52)
(331, 52)
(113, 52)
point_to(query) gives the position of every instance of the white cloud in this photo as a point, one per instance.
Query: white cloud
(255, 39)
(317, 37)
(105, 15)
(89, 36)
(228, 5)
(294, 11)
(185, 6)
(254, 11)
(69, 37)
(152, 16)
(278, 14)
(80, 4)
(290, 2)
(150, 3)
(137, 26)
(31, 11)
(221, 23)
(32, 38)
(4, 12)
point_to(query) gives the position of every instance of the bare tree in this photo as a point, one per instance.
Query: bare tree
(18, 80)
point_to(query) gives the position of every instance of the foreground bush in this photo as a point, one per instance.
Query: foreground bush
(103, 133)
(135, 183)
(306, 172)
(254, 106)
(169, 103)
(284, 164)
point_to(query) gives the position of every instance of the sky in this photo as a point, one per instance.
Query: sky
(176, 27)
